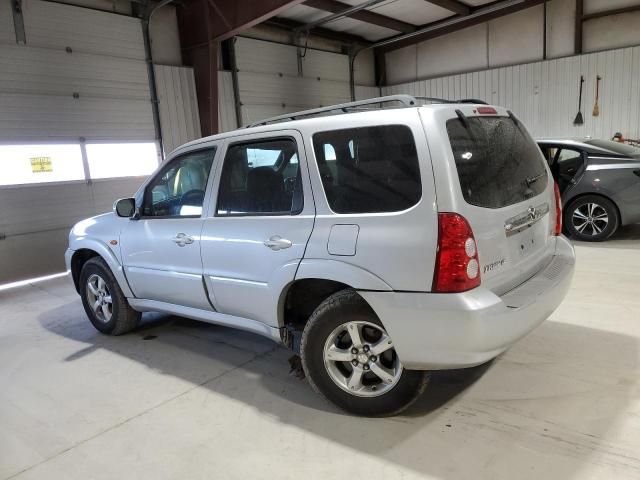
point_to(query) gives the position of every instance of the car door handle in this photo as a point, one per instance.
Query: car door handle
(182, 239)
(278, 243)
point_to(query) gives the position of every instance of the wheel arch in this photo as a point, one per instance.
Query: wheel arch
(88, 249)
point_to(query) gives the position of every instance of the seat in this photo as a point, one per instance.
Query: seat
(265, 188)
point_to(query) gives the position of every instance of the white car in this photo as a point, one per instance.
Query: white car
(381, 244)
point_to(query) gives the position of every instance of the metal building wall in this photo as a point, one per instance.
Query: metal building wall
(178, 105)
(544, 95)
(269, 83)
(227, 120)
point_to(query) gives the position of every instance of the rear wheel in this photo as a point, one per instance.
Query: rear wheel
(103, 300)
(591, 218)
(350, 359)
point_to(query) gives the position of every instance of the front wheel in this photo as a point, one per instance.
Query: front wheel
(591, 218)
(350, 359)
(103, 300)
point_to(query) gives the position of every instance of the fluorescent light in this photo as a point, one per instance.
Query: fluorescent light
(29, 281)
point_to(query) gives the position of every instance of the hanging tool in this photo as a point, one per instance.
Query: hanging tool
(579, 120)
(596, 107)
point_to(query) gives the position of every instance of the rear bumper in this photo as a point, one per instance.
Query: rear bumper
(443, 331)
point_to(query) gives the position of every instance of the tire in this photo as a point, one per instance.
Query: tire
(591, 218)
(328, 333)
(97, 287)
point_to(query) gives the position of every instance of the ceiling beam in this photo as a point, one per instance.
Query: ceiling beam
(455, 23)
(452, 5)
(366, 16)
(607, 13)
(343, 37)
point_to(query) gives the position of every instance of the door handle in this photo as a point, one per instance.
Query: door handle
(278, 243)
(182, 239)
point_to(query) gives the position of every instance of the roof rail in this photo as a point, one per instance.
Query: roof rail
(405, 100)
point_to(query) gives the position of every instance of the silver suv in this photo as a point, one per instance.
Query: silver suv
(379, 243)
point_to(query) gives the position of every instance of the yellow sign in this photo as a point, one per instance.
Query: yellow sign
(41, 164)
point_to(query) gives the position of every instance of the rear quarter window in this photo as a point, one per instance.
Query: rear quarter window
(369, 169)
(498, 163)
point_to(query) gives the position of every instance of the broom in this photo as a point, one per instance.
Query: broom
(579, 120)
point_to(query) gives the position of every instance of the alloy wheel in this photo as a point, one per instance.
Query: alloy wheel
(360, 359)
(590, 219)
(99, 298)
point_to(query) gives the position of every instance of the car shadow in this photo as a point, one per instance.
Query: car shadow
(530, 400)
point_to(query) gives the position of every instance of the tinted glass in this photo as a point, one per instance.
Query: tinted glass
(616, 147)
(498, 163)
(261, 178)
(370, 169)
(178, 189)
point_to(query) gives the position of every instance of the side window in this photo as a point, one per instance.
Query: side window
(370, 169)
(261, 178)
(178, 189)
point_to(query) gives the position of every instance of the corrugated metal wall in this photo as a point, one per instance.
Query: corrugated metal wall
(179, 117)
(269, 83)
(544, 95)
(98, 56)
(226, 103)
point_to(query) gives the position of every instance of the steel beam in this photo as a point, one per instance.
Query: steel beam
(343, 37)
(578, 28)
(608, 13)
(362, 15)
(453, 6)
(455, 23)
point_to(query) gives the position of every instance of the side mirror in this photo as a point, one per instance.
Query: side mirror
(125, 207)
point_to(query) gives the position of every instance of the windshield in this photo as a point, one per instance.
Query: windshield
(616, 147)
(497, 161)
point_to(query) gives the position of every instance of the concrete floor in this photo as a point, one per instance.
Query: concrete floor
(178, 399)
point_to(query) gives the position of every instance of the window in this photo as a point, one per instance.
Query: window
(22, 164)
(497, 161)
(108, 160)
(178, 189)
(261, 178)
(616, 147)
(369, 169)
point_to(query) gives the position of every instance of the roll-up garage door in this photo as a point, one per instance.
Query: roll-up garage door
(270, 83)
(76, 127)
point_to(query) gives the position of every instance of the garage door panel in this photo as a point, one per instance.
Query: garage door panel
(57, 26)
(42, 71)
(39, 117)
(7, 34)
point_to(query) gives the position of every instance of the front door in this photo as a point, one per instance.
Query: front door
(261, 219)
(161, 249)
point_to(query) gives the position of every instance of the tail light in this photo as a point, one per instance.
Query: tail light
(457, 268)
(558, 229)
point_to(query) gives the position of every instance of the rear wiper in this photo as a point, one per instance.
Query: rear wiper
(532, 180)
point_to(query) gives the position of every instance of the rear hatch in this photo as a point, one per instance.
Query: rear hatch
(499, 181)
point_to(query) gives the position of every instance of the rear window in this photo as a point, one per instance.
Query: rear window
(498, 163)
(369, 169)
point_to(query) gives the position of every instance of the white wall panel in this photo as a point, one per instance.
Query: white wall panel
(544, 95)
(179, 119)
(516, 38)
(612, 32)
(226, 103)
(363, 92)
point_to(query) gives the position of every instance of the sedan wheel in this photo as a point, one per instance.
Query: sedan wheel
(591, 218)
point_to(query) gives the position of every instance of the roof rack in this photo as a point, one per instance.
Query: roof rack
(405, 100)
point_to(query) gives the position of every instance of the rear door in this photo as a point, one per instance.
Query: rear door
(498, 179)
(261, 218)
